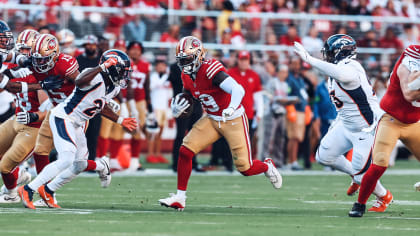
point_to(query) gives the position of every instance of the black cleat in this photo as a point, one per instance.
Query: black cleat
(358, 210)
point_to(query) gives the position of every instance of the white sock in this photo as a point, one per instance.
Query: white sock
(99, 166)
(379, 190)
(343, 165)
(181, 193)
(47, 174)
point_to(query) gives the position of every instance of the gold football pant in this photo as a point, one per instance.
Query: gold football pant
(44, 141)
(207, 131)
(17, 143)
(389, 130)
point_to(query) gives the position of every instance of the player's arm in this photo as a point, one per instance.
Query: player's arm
(229, 85)
(17, 87)
(129, 124)
(411, 92)
(147, 93)
(83, 79)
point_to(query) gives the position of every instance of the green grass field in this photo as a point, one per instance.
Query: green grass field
(217, 205)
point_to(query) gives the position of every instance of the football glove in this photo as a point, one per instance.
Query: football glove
(25, 117)
(112, 61)
(301, 52)
(129, 124)
(178, 106)
(228, 112)
(52, 82)
(152, 126)
(114, 105)
(20, 73)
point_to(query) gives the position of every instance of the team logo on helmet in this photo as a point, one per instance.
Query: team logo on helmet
(52, 44)
(195, 43)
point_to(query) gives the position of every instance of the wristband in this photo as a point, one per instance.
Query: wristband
(4, 82)
(120, 120)
(33, 117)
(24, 87)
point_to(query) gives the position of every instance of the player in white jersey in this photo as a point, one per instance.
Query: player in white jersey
(357, 107)
(95, 88)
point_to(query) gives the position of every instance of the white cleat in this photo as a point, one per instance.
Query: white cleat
(417, 186)
(273, 174)
(174, 201)
(41, 203)
(23, 178)
(105, 174)
(134, 164)
(10, 196)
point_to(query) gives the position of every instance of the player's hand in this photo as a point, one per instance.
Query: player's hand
(26, 62)
(301, 52)
(152, 126)
(178, 106)
(129, 124)
(25, 117)
(52, 82)
(112, 61)
(228, 112)
(20, 73)
(114, 105)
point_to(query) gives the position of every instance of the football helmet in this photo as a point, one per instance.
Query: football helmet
(45, 52)
(119, 73)
(338, 47)
(190, 54)
(25, 40)
(6, 38)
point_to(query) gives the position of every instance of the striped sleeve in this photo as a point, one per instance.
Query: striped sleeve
(72, 67)
(214, 68)
(413, 51)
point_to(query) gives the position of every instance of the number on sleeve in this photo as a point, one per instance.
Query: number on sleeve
(90, 112)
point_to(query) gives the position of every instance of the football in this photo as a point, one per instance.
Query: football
(190, 100)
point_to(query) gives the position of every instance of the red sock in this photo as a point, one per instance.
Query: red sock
(257, 167)
(135, 148)
(102, 147)
(10, 180)
(40, 162)
(184, 167)
(91, 165)
(115, 146)
(369, 181)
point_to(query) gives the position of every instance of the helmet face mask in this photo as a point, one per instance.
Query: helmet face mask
(338, 47)
(189, 54)
(7, 42)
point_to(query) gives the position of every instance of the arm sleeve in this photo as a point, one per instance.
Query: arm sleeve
(342, 72)
(237, 92)
(259, 103)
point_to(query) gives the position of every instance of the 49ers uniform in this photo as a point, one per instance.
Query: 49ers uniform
(65, 66)
(211, 127)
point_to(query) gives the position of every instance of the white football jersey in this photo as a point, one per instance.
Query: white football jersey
(357, 108)
(83, 104)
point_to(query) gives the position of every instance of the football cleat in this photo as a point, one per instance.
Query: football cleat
(174, 201)
(273, 174)
(161, 159)
(358, 210)
(417, 186)
(382, 202)
(114, 165)
(27, 196)
(23, 178)
(41, 203)
(48, 198)
(353, 188)
(105, 174)
(10, 197)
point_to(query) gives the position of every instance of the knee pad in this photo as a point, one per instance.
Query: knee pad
(184, 152)
(79, 166)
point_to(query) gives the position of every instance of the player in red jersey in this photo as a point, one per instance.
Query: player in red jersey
(220, 96)
(401, 104)
(18, 136)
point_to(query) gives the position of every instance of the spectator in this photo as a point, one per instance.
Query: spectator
(290, 37)
(222, 19)
(311, 42)
(172, 35)
(135, 29)
(295, 126)
(103, 45)
(390, 40)
(409, 36)
(324, 110)
(370, 40)
(360, 9)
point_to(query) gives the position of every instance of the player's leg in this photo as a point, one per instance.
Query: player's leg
(103, 139)
(387, 134)
(135, 141)
(411, 140)
(332, 148)
(116, 142)
(64, 136)
(200, 136)
(161, 120)
(7, 134)
(43, 145)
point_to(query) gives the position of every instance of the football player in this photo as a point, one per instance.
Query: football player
(400, 121)
(17, 136)
(357, 108)
(221, 96)
(95, 87)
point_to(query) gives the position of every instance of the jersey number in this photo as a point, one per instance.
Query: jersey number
(23, 101)
(209, 103)
(92, 110)
(337, 102)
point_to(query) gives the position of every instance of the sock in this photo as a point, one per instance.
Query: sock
(102, 147)
(49, 172)
(40, 162)
(135, 148)
(48, 190)
(369, 181)
(379, 190)
(343, 165)
(181, 193)
(115, 146)
(10, 179)
(91, 165)
(257, 167)
(184, 167)
(64, 177)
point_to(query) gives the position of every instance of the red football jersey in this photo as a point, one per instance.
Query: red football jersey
(26, 101)
(65, 66)
(138, 79)
(251, 82)
(394, 102)
(212, 97)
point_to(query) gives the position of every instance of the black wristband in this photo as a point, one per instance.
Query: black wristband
(33, 117)
(149, 108)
